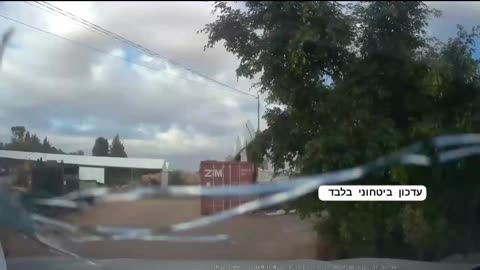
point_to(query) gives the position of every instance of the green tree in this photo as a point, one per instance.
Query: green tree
(100, 148)
(176, 178)
(116, 176)
(46, 144)
(356, 82)
(36, 144)
(18, 134)
(78, 153)
(117, 149)
(17, 141)
(24, 140)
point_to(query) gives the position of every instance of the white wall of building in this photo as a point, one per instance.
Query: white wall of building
(92, 173)
(266, 176)
(164, 179)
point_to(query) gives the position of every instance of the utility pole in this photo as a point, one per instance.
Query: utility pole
(258, 113)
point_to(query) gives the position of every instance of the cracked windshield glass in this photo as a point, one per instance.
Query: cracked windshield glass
(239, 135)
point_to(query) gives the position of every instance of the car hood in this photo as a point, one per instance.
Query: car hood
(140, 264)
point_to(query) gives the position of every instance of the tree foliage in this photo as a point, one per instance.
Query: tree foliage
(351, 83)
(78, 153)
(23, 140)
(176, 178)
(100, 148)
(117, 149)
(116, 176)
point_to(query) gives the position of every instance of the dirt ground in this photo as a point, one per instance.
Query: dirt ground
(253, 236)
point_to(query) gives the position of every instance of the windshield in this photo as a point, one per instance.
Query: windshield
(340, 134)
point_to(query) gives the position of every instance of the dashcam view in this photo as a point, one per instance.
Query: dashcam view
(239, 135)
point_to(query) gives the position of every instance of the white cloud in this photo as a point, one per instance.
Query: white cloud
(62, 25)
(84, 127)
(118, 53)
(73, 94)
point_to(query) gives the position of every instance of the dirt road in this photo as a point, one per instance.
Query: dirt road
(252, 236)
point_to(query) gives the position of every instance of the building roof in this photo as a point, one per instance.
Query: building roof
(91, 161)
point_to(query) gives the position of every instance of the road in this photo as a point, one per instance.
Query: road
(252, 236)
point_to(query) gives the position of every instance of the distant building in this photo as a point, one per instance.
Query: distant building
(92, 168)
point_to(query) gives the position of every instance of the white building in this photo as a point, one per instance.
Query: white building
(265, 173)
(92, 167)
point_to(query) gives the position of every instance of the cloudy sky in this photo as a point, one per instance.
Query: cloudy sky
(73, 94)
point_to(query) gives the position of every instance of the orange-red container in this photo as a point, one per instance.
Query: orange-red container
(225, 173)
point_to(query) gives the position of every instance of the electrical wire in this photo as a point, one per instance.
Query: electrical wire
(76, 42)
(52, 9)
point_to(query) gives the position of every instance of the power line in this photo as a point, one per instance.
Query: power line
(75, 42)
(96, 28)
(104, 31)
(83, 44)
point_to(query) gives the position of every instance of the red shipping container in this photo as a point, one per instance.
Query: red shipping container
(225, 173)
